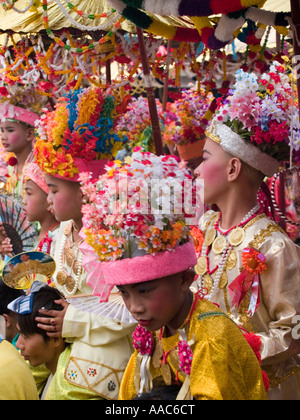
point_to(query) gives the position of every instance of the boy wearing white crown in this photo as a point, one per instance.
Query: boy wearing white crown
(246, 262)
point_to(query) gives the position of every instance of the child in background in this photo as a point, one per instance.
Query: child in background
(37, 210)
(181, 338)
(80, 127)
(247, 264)
(17, 137)
(38, 348)
(20, 109)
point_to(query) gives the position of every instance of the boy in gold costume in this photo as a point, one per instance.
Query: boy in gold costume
(246, 262)
(181, 338)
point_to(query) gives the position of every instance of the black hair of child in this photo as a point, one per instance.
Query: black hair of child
(43, 299)
(7, 295)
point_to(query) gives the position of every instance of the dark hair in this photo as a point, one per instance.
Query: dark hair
(7, 295)
(44, 298)
(169, 392)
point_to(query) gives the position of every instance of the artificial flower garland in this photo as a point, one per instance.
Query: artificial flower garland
(263, 111)
(186, 120)
(81, 127)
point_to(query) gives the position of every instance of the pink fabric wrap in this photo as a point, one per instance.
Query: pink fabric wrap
(96, 167)
(8, 111)
(33, 171)
(106, 275)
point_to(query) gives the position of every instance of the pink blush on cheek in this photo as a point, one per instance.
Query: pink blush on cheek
(14, 138)
(212, 173)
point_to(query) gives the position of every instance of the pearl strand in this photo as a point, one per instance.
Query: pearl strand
(79, 259)
(225, 255)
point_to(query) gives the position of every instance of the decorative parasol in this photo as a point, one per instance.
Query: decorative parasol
(25, 268)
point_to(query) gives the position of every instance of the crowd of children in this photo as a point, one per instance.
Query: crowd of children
(140, 299)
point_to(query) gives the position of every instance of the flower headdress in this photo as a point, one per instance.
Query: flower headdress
(260, 121)
(78, 136)
(137, 231)
(135, 124)
(185, 122)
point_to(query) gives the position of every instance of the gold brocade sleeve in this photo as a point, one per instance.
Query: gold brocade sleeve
(280, 299)
(224, 366)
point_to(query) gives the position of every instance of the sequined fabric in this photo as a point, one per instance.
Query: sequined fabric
(224, 367)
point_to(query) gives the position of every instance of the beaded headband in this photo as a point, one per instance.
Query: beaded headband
(247, 152)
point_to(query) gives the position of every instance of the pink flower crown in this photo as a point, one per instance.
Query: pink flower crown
(138, 232)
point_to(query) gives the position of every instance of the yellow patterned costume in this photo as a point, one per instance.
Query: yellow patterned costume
(224, 367)
(279, 294)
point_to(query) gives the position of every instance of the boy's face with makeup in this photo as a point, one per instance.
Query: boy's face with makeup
(14, 136)
(65, 198)
(158, 303)
(34, 201)
(213, 170)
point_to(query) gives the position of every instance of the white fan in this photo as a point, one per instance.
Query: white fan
(114, 308)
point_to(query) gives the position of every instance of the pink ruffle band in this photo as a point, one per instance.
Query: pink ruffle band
(102, 277)
(8, 111)
(95, 167)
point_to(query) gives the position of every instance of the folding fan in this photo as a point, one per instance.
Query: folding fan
(22, 233)
(113, 309)
(25, 268)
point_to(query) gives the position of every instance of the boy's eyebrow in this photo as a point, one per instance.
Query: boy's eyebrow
(206, 151)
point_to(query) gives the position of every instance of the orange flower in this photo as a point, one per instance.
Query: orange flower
(198, 237)
(253, 261)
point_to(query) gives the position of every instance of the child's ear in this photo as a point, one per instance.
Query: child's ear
(187, 279)
(30, 134)
(234, 169)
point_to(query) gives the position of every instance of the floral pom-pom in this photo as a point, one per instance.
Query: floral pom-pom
(185, 357)
(143, 341)
(12, 161)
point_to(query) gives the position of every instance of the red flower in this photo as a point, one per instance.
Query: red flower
(198, 237)
(12, 161)
(253, 261)
(3, 91)
(44, 85)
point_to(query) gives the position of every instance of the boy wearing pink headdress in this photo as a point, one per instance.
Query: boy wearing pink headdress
(146, 252)
(20, 108)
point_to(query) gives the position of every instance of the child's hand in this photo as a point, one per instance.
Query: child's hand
(6, 248)
(53, 325)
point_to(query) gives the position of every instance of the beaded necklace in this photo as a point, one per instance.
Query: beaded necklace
(46, 241)
(70, 263)
(221, 243)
